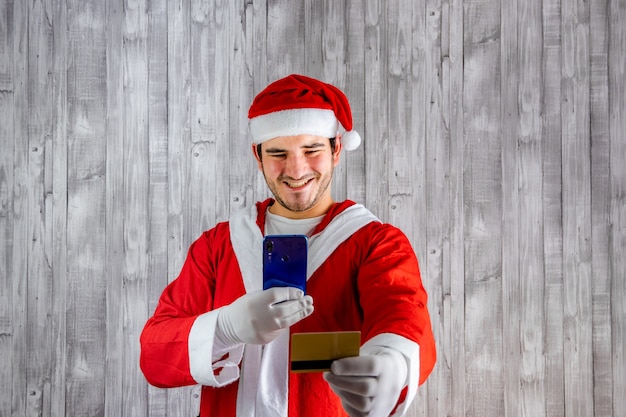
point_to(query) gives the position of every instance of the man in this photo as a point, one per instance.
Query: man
(215, 326)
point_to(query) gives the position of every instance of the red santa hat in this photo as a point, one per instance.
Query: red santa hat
(298, 105)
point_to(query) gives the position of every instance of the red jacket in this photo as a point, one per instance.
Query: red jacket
(371, 283)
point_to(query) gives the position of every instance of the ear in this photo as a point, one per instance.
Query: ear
(257, 157)
(338, 148)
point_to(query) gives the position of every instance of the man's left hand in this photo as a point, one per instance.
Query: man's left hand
(368, 385)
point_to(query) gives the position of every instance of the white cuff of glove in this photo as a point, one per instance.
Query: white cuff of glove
(206, 352)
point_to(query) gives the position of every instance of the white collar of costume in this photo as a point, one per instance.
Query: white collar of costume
(247, 240)
(270, 361)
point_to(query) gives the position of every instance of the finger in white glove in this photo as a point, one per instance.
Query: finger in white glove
(370, 384)
(259, 317)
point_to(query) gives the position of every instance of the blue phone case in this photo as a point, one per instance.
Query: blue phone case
(284, 261)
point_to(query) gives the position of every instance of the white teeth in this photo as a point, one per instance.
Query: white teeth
(296, 184)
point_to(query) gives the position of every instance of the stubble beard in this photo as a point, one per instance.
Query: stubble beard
(298, 206)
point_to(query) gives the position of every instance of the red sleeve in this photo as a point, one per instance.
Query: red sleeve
(392, 295)
(164, 341)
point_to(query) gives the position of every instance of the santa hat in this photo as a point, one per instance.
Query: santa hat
(298, 105)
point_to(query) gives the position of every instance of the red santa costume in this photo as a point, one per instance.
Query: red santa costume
(362, 274)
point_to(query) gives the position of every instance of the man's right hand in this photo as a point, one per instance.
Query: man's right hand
(259, 317)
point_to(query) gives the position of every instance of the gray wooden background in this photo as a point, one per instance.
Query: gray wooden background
(494, 136)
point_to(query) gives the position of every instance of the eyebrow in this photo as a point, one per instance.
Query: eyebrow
(280, 150)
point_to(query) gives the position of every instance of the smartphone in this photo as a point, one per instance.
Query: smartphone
(284, 261)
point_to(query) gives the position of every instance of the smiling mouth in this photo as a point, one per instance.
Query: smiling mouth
(297, 184)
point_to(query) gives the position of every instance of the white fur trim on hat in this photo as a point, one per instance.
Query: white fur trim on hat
(292, 122)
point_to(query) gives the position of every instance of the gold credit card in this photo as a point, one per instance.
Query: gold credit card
(314, 352)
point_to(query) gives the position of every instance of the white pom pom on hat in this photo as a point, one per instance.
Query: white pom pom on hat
(298, 105)
(351, 140)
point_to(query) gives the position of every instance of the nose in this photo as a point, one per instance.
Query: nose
(296, 166)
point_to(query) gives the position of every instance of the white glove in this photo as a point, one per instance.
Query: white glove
(259, 317)
(370, 384)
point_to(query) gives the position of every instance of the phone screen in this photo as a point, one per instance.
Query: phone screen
(284, 261)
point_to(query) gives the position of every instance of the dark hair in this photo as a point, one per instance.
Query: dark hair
(332, 147)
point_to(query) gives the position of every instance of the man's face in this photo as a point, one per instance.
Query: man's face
(299, 170)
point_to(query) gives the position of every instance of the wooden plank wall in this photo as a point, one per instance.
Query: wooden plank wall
(494, 135)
